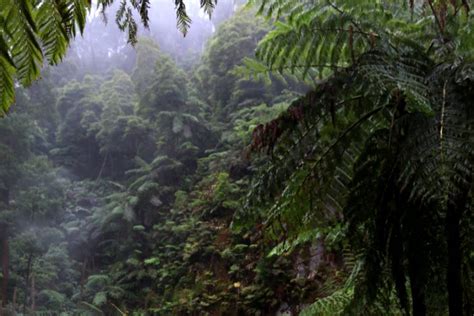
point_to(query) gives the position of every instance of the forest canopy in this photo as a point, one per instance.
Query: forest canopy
(285, 157)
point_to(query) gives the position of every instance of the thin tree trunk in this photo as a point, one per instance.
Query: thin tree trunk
(14, 299)
(4, 199)
(83, 276)
(455, 291)
(416, 265)
(28, 272)
(103, 166)
(417, 294)
(5, 260)
(33, 301)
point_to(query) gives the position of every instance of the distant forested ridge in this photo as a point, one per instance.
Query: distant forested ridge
(286, 158)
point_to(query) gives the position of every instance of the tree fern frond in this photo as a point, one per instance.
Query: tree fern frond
(319, 35)
(81, 8)
(143, 6)
(30, 29)
(333, 304)
(208, 6)
(20, 31)
(311, 170)
(7, 70)
(403, 76)
(337, 302)
(440, 154)
(126, 22)
(52, 30)
(183, 21)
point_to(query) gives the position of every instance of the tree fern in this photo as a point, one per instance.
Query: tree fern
(383, 142)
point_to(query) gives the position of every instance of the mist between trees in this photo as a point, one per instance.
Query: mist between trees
(282, 158)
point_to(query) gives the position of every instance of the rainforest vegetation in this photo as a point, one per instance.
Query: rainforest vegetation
(261, 157)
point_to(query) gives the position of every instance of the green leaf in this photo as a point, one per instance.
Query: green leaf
(100, 299)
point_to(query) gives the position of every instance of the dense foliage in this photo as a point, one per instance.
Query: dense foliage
(316, 160)
(384, 142)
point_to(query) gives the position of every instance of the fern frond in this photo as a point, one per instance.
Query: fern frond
(333, 304)
(7, 70)
(183, 21)
(143, 6)
(20, 30)
(208, 6)
(92, 307)
(52, 29)
(440, 153)
(30, 31)
(318, 36)
(338, 301)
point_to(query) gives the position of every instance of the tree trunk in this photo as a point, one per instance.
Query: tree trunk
(14, 298)
(5, 200)
(83, 276)
(418, 298)
(417, 265)
(455, 291)
(27, 280)
(5, 260)
(33, 301)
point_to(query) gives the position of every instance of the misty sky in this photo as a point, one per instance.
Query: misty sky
(103, 43)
